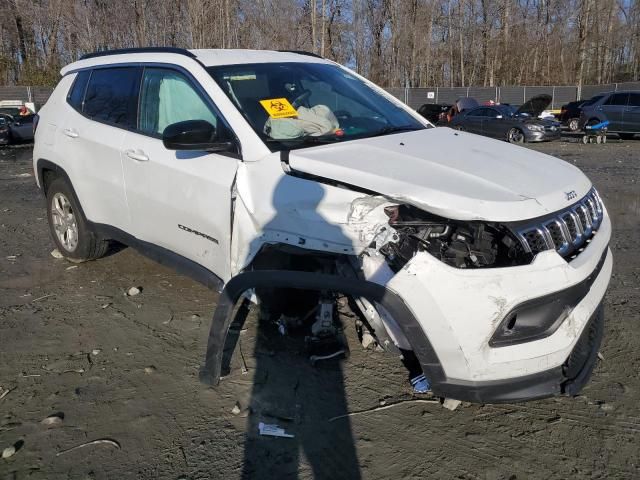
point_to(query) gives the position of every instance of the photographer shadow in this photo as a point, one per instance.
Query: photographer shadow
(287, 389)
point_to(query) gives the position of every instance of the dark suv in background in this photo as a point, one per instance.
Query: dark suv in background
(621, 109)
(570, 112)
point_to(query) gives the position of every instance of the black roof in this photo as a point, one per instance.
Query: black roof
(120, 51)
(302, 52)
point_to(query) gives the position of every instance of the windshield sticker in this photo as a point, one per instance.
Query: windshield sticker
(279, 108)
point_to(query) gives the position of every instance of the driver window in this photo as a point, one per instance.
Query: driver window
(167, 97)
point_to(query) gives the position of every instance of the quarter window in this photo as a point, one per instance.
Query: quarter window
(76, 94)
(617, 99)
(634, 99)
(112, 96)
(167, 97)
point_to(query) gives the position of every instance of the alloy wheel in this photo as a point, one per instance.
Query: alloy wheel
(516, 136)
(64, 222)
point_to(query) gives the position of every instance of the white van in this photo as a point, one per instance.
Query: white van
(253, 170)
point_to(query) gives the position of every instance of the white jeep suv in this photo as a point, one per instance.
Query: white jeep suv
(254, 170)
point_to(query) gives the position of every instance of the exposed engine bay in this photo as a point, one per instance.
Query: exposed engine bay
(459, 244)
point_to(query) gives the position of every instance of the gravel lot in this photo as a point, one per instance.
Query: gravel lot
(124, 370)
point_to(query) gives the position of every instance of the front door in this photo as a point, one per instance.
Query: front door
(179, 200)
(492, 126)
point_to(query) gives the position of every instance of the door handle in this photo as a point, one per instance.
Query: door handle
(137, 156)
(70, 132)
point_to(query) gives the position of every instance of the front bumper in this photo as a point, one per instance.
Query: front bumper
(546, 136)
(565, 379)
(459, 311)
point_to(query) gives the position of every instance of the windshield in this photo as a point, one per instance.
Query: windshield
(295, 105)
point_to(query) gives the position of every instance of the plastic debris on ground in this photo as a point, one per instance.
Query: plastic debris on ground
(272, 430)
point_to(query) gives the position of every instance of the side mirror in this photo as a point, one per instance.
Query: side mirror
(194, 135)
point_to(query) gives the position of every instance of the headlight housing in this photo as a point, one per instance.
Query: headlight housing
(458, 244)
(535, 128)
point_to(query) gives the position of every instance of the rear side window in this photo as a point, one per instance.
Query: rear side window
(634, 99)
(112, 96)
(76, 94)
(478, 112)
(617, 99)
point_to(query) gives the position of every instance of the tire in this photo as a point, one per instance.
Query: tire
(573, 124)
(626, 136)
(69, 228)
(515, 135)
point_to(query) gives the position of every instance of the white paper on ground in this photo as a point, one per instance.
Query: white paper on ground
(272, 430)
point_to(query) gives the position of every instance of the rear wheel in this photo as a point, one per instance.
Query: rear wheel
(70, 231)
(515, 135)
(626, 136)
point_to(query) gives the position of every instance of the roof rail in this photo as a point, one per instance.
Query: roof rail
(120, 51)
(302, 52)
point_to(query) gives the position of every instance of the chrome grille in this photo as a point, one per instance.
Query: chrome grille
(568, 231)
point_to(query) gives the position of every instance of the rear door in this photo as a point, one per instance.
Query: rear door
(102, 105)
(631, 116)
(179, 200)
(472, 121)
(613, 108)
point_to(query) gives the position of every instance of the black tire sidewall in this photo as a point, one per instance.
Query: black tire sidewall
(85, 235)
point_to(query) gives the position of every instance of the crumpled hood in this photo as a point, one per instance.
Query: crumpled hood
(449, 173)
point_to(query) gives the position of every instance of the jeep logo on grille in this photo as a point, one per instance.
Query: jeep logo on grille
(571, 195)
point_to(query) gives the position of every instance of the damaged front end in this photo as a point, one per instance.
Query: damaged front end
(458, 244)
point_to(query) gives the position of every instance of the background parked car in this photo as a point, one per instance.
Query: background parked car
(570, 112)
(506, 122)
(4, 131)
(433, 111)
(20, 128)
(621, 109)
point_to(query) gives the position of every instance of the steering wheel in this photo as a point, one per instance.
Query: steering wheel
(301, 98)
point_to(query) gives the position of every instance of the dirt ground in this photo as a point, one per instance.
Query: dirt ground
(124, 370)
